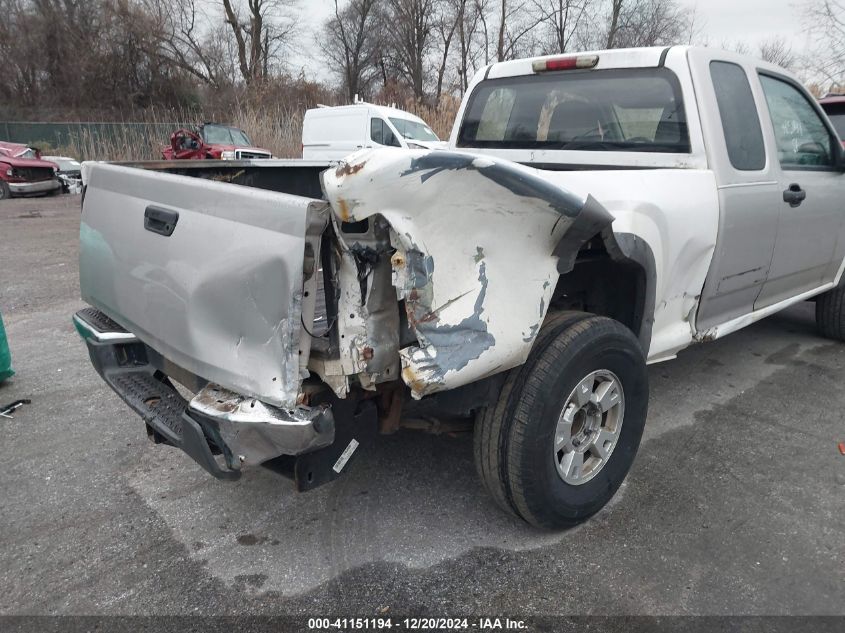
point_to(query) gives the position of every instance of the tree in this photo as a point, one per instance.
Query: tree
(825, 23)
(350, 42)
(101, 57)
(473, 41)
(187, 40)
(635, 23)
(776, 50)
(560, 20)
(516, 24)
(408, 40)
(445, 27)
(613, 26)
(262, 29)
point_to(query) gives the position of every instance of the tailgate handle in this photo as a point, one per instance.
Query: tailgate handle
(161, 221)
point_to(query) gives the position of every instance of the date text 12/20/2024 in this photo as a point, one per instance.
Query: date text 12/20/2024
(417, 624)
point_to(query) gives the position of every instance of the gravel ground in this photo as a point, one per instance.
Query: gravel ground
(735, 505)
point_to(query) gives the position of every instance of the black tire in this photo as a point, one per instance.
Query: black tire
(5, 192)
(514, 438)
(488, 432)
(830, 313)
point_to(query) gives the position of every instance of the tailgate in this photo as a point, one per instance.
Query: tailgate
(208, 274)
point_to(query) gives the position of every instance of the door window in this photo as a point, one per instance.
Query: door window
(381, 133)
(802, 137)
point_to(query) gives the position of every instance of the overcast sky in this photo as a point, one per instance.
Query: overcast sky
(750, 21)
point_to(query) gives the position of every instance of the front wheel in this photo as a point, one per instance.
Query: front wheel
(5, 192)
(568, 423)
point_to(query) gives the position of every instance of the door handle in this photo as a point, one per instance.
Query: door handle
(794, 195)
(161, 221)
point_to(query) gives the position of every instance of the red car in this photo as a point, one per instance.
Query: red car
(23, 173)
(212, 141)
(834, 107)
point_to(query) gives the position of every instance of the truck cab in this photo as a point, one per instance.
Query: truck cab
(23, 172)
(212, 141)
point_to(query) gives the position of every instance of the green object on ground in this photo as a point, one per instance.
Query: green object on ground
(5, 354)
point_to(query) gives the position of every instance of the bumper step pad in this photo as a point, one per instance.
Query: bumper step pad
(100, 321)
(159, 404)
(125, 368)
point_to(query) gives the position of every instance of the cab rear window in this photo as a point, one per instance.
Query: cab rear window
(637, 110)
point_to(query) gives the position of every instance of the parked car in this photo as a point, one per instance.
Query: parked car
(331, 133)
(24, 173)
(69, 173)
(834, 107)
(593, 213)
(212, 141)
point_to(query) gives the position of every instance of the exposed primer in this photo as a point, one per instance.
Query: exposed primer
(473, 241)
(451, 347)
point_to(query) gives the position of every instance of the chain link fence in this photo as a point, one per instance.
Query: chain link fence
(93, 141)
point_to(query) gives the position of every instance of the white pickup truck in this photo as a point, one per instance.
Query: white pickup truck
(593, 213)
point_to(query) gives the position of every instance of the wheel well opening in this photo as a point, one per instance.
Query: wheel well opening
(611, 286)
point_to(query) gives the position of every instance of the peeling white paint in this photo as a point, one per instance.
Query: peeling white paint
(473, 255)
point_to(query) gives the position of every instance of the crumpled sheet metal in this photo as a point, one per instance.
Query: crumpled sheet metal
(255, 431)
(474, 262)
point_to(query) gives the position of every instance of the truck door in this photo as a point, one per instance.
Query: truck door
(809, 245)
(747, 188)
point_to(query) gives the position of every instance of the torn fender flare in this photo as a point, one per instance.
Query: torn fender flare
(477, 243)
(591, 220)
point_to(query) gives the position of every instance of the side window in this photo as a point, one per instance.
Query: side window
(740, 123)
(381, 133)
(802, 137)
(377, 131)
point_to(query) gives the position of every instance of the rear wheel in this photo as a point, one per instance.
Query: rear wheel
(565, 431)
(830, 313)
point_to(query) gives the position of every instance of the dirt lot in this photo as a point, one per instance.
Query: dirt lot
(735, 505)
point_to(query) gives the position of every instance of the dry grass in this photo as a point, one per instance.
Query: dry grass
(277, 128)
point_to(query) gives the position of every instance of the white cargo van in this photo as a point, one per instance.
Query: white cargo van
(331, 133)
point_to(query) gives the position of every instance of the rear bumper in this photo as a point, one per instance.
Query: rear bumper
(219, 429)
(33, 188)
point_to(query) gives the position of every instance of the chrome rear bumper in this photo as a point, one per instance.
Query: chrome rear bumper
(239, 429)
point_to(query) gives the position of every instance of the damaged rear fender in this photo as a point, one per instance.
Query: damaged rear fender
(476, 244)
